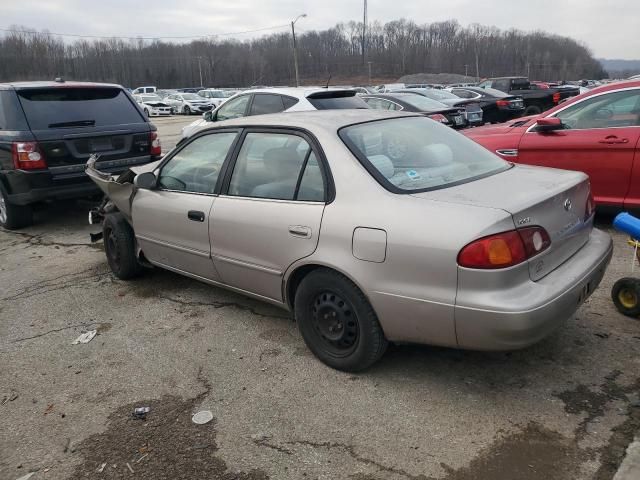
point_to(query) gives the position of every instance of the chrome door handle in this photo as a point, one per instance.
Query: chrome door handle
(614, 140)
(300, 231)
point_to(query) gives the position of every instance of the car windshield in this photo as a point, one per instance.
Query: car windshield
(215, 93)
(423, 104)
(437, 94)
(416, 154)
(496, 93)
(151, 98)
(191, 96)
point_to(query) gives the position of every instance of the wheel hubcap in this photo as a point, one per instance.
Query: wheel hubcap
(628, 298)
(3, 210)
(335, 322)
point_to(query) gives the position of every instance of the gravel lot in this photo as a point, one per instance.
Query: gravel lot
(563, 409)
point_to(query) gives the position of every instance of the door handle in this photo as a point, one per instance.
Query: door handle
(196, 216)
(613, 140)
(300, 231)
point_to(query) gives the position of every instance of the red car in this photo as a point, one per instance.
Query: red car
(597, 133)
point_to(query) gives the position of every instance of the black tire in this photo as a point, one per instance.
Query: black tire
(186, 110)
(532, 110)
(120, 247)
(146, 112)
(626, 296)
(337, 321)
(12, 216)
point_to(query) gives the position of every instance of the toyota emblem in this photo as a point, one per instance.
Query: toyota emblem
(567, 204)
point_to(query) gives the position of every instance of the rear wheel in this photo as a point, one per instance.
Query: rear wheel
(337, 322)
(626, 296)
(186, 110)
(532, 110)
(12, 216)
(146, 112)
(120, 247)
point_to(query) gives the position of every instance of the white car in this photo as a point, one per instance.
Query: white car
(217, 97)
(152, 105)
(141, 90)
(188, 103)
(275, 100)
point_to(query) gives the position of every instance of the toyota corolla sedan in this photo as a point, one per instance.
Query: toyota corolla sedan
(371, 227)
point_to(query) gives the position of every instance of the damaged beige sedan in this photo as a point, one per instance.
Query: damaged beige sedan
(370, 226)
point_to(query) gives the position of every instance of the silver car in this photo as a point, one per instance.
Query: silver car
(371, 227)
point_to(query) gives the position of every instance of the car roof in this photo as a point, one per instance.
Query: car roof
(614, 86)
(298, 92)
(53, 84)
(313, 120)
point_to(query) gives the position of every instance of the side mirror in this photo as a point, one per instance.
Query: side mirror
(549, 124)
(209, 116)
(146, 180)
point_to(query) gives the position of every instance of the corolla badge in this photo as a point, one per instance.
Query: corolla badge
(567, 204)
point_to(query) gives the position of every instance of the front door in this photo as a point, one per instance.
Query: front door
(172, 221)
(271, 212)
(599, 139)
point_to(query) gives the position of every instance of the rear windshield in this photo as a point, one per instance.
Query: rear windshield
(416, 154)
(437, 94)
(336, 100)
(496, 93)
(77, 107)
(423, 104)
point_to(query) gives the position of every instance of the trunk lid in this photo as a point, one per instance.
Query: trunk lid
(534, 196)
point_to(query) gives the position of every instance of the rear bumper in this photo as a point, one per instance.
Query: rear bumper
(27, 187)
(520, 315)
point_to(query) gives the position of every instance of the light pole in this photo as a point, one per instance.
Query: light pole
(295, 50)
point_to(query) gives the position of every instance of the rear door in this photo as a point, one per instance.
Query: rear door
(270, 213)
(71, 123)
(264, 103)
(172, 222)
(600, 139)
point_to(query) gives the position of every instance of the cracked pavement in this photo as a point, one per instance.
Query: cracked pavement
(563, 409)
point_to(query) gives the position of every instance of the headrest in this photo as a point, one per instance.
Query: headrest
(438, 154)
(383, 164)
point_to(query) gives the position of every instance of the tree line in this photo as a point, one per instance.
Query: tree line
(384, 50)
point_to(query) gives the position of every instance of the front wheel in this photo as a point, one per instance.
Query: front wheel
(532, 110)
(146, 113)
(120, 247)
(186, 110)
(626, 296)
(337, 322)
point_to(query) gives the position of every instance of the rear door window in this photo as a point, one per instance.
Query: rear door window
(77, 107)
(11, 117)
(266, 103)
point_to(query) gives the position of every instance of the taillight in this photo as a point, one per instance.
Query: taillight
(438, 117)
(27, 156)
(504, 249)
(556, 97)
(590, 208)
(503, 103)
(156, 149)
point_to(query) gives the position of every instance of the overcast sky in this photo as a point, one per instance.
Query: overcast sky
(608, 27)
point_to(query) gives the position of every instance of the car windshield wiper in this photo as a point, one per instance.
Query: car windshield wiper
(75, 123)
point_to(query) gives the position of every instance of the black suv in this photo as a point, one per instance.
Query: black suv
(48, 130)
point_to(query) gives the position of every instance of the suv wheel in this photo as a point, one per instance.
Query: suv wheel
(120, 247)
(186, 110)
(532, 110)
(337, 322)
(14, 216)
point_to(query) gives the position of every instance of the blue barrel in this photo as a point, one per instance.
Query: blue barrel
(628, 224)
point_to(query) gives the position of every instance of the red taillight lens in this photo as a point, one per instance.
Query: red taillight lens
(502, 103)
(556, 97)
(591, 207)
(438, 117)
(27, 156)
(505, 249)
(155, 149)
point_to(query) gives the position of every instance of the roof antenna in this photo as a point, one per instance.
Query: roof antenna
(328, 80)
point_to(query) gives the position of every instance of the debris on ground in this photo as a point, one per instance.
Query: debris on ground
(86, 337)
(101, 468)
(27, 476)
(141, 412)
(129, 467)
(202, 417)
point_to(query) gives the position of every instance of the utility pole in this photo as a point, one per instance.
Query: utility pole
(477, 67)
(295, 48)
(369, 63)
(364, 33)
(200, 70)
(466, 70)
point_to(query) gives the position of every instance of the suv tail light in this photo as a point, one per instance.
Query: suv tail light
(438, 117)
(505, 249)
(556, 97)
(27, 156)
(156, 149)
